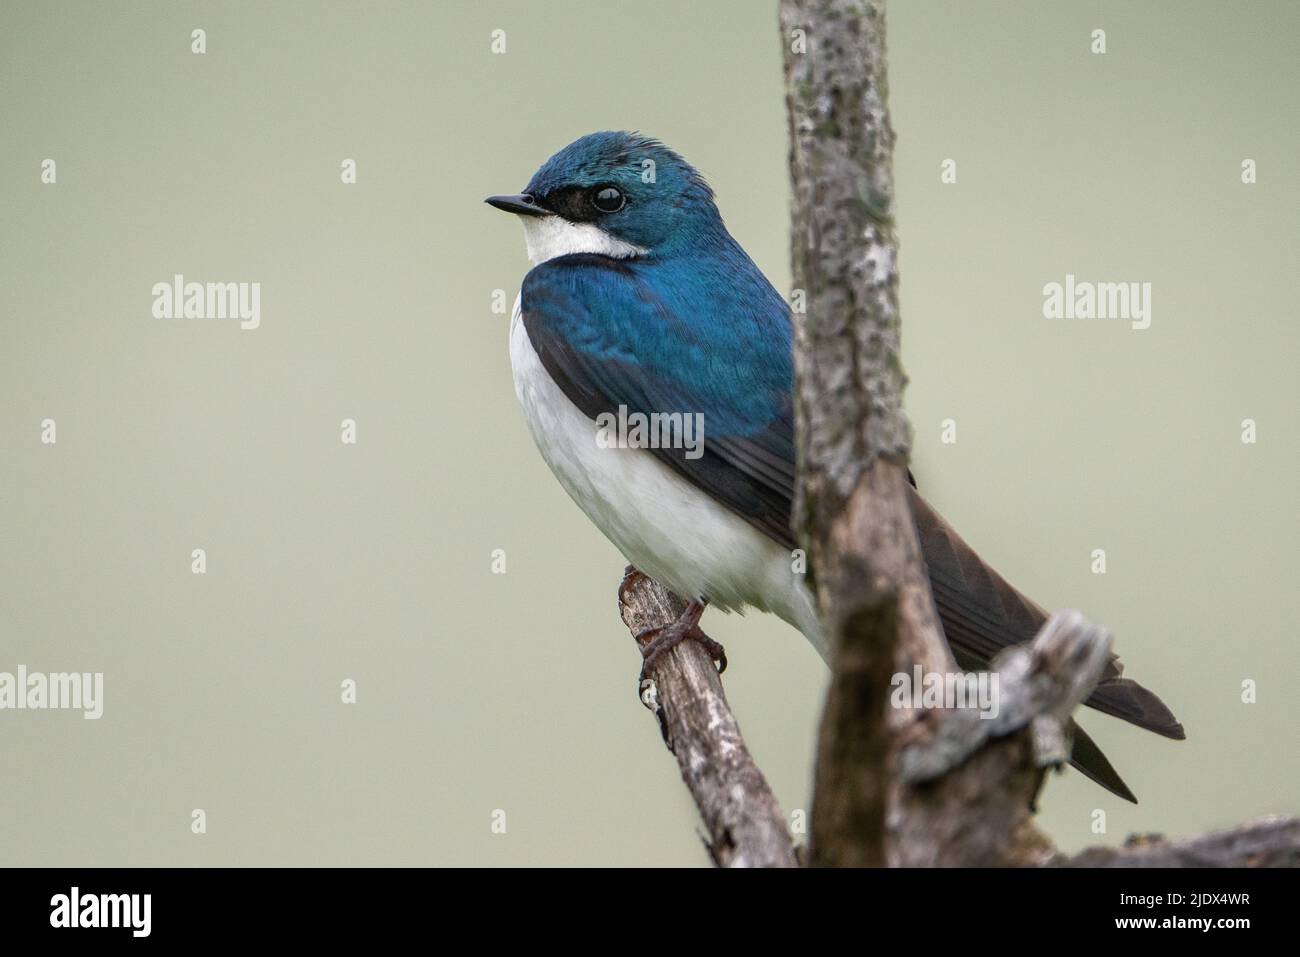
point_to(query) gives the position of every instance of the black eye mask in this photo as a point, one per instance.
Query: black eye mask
(576, 204)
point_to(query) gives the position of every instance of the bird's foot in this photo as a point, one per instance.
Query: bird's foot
(667, 637)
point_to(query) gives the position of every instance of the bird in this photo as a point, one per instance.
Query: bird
(639, 303)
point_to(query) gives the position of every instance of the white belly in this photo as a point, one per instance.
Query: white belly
(662, 524)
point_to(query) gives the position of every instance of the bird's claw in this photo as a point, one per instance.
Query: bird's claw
(666, 638)
(631, 576)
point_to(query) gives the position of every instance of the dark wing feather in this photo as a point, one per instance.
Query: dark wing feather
(982, 614)
(608, 338)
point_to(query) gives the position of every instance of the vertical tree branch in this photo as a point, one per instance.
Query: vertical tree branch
(852, 511)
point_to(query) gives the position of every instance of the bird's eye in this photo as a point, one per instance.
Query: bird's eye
(607, 199)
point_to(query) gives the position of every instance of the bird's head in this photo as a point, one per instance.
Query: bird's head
(614, 194)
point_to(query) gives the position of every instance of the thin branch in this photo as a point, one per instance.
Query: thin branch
(1040, 684)
(744, 821)
(1268, 842)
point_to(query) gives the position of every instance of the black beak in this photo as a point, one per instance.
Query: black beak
(522, 204)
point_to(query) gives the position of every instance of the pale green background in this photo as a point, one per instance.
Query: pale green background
(371, 561)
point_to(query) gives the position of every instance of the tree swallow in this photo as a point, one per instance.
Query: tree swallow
(640, 307)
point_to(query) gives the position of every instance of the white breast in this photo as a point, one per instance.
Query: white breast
(660, 522)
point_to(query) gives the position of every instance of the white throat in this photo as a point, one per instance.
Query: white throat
(551, 236)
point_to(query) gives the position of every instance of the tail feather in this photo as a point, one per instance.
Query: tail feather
(1088, 758)
(982, 614)
(1126, 699)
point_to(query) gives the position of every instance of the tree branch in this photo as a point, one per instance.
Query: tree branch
(744, 822)
(852, 510)
(893, 785)
(1268, 842)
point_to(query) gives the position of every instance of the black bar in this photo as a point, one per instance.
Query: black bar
(207, 906)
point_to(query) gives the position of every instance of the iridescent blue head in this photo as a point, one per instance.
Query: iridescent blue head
(620, 194)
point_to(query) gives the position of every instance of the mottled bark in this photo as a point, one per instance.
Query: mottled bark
(1269, 842)
(851, 510)
(744, 822)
